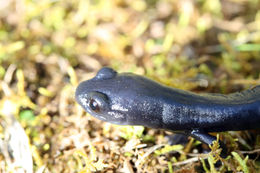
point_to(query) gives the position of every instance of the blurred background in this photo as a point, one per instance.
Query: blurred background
(48, 46)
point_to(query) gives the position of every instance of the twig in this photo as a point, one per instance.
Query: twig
(251, 152)
(151, 150)
(9, 73)
(191, 160)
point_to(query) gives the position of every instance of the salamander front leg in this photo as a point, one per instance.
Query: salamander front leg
(208, 139)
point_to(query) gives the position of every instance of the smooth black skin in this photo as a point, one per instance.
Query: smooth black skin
(129, 99)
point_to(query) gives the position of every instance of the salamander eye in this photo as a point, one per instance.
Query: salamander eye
(94, 105)
(97, 102)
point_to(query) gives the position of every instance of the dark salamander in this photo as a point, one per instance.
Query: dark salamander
(129, 99)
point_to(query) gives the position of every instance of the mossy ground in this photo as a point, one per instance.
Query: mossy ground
(47, 47)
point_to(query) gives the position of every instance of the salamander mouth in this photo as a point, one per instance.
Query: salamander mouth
(114, 119)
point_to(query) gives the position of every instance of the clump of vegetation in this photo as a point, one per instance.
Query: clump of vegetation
(47, 47)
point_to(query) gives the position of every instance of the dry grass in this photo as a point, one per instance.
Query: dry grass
(47, 47)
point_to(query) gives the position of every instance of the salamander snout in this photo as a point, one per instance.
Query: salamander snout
(95, 103)
(86, 93)
(99, 97)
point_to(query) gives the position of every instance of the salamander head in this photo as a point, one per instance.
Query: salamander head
(117, 98)
(102, 96)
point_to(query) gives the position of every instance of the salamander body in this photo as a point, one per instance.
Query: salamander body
(129, 99)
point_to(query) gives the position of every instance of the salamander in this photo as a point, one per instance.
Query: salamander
(129, 99)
